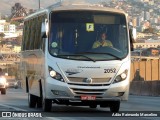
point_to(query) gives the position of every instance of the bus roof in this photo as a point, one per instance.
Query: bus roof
(75, 7)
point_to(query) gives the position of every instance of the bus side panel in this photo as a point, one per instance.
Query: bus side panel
(33, 62)
(22, 70)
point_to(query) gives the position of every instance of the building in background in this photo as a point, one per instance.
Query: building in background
(8, 29)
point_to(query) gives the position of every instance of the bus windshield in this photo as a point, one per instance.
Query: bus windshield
(88, 35)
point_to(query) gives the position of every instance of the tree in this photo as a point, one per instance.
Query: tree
(18, 11)
(149, 30)
(15, 22)
(15, 8)
(7, 18)
(1, 36)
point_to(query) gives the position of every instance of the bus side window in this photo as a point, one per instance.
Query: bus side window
(39, 42)
(32, 34)
(24, 36)
(38, 33)
(27, 38)
(42, 40)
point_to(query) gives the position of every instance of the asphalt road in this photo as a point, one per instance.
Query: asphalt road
(16, 101)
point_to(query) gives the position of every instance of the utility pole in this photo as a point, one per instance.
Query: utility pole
(39, 4)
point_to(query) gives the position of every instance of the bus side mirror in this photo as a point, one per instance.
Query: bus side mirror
(133, 34)
(44, 29)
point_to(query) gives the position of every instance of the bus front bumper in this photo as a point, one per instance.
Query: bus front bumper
(63, 91)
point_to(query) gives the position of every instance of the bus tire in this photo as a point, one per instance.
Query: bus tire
(3, 91)
(114, 106)
(39, 99)
(39, 102)
(93, 106)
(47, 105)
(32, 101)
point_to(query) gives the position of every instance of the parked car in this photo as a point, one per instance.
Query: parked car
(3, 85)
(12, 83)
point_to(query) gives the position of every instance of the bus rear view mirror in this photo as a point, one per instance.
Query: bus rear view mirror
(133, 35)
(44, 29)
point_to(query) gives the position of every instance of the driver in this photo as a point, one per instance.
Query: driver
(102, 42)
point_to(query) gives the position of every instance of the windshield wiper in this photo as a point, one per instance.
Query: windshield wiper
(79, 55)
(113, 55)
(103, 53)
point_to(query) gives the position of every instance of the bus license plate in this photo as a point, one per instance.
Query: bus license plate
(88, 97)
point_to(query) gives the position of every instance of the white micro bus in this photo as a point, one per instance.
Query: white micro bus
(59, 64)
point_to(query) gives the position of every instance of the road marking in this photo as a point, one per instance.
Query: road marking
(53, 118)
(15, 108)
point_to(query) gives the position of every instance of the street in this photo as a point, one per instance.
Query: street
(16, 100)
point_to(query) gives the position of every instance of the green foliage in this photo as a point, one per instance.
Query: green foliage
(150, 30)
(15, 22)
(1, 35)
(7, 19)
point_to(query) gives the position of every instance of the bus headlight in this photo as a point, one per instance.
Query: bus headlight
(121, 77)
(55, 74)
(52, 73)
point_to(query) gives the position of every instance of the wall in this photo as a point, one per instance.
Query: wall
(145, 78)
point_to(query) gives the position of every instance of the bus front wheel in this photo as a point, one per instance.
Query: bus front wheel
(47, 105)
(39, 102)
(93, 106)
(114, 106)
(32, 101)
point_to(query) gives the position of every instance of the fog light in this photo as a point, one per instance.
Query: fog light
(120, 93)
(59, 93)
(55, 92)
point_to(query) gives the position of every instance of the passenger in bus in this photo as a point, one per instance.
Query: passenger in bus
(102, 42)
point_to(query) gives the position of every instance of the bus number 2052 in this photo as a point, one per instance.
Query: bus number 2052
(112, 70)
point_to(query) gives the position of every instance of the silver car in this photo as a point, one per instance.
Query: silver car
(12, 83)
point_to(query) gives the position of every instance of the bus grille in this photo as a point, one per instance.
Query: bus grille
(79, 91)
(94, 80)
